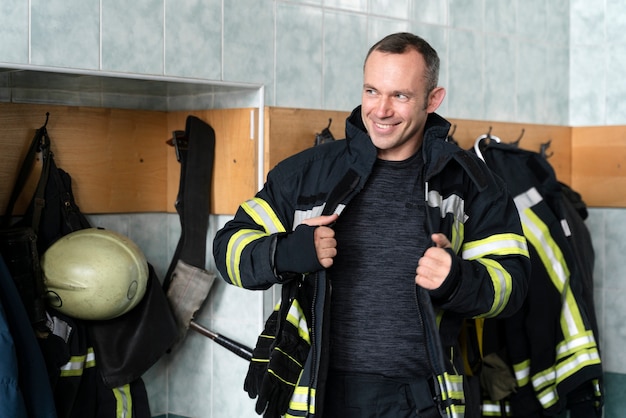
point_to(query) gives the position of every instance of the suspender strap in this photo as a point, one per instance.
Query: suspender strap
(40, 142)
(195, 150)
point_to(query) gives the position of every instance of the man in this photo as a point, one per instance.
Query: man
(383, 231)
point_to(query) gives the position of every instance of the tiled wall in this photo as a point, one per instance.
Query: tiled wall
(559, 62)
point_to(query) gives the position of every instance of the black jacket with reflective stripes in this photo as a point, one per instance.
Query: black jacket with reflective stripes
(464, 201)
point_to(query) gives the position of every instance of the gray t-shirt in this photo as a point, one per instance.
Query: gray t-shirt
(376, 326)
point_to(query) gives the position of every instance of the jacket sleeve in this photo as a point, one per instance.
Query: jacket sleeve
(491, 267)
(245, 249)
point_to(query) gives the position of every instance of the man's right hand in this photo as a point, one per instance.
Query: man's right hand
(324, 236)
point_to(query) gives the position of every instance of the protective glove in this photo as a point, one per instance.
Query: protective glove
(261, 356)
(289, 353)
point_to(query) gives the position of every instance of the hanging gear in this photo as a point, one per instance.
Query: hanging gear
(94, 274)
(289, 352)
(325, 136)
(261, 356)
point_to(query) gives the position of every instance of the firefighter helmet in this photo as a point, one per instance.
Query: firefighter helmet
(94, 274)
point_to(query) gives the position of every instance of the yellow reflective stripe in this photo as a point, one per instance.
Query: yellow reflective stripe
(576, 363)
(554, 262)
(76, 364)
(498, 244)
(302, 398)
(451, 387)
(123, 401)
(546, 382)
(538, 234)
(522, 373)
(571, 345)
(236, 244)
(263, 214)
(457, 235)
(296, 317)
(456, 411)
(548, 397)
(494, 409)
(90, 360)
(543, 379)
(452, 394)
(453, 205)
(502, 286)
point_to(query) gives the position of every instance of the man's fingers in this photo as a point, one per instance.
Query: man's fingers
(321, 220)
(441, 241)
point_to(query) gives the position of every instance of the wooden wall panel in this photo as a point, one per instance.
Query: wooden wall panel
(115, 157)
(531, 137)
(599, 165)
(234, 169)
(288, 131)
(120, 161)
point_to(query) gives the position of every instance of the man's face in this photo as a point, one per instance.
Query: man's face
(394, 105)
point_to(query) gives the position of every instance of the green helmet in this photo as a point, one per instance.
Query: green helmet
(94, 274)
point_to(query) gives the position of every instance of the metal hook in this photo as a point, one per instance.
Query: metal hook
(450, 137)
(517, 141)
(480, 138)
(543, 148)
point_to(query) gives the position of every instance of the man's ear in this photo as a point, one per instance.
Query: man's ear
(435, 98)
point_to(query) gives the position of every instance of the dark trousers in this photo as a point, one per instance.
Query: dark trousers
(372, 396)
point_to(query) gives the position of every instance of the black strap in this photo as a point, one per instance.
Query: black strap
(195, 150)
(40, 143)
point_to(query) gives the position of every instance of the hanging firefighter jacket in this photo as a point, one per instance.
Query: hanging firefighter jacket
(78, 388)
(551, 343)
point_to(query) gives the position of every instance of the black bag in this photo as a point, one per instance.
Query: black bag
(51, 213)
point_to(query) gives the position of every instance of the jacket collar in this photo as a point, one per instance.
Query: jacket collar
(436, 130)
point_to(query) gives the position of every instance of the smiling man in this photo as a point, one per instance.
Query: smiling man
(383, 243)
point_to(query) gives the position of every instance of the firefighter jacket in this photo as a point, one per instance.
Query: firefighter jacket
(463, 200)
(551, 343)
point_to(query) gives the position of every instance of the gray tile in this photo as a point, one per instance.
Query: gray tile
(587, 22)
(614, 331)
(615, 21)
(616, 94)
(298, 56)
(65, 33)
(465, 91)
(500, 16)
(193, 39)
(390, 8)
(466, 14)
(352, 5)
(531, 19)
(14, 31)
(558, 22)
(587, 85)
(615, 268)
(531, 85)
(499, 77)
(345, 46)
(429, 11)
(248, 41)
(556, 94)
(132, 36)
(379, 27)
